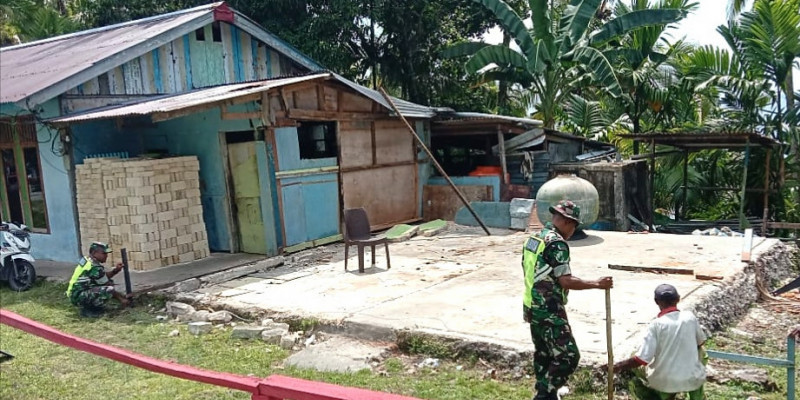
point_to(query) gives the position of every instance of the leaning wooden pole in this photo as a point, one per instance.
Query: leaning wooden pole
(609, 347)
(435, 163)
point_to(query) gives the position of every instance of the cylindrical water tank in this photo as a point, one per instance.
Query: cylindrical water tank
(568, 187)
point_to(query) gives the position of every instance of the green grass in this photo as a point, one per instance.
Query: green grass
(43, 370)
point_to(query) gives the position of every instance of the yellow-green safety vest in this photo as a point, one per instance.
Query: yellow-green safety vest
(531, 251)
(84, 265)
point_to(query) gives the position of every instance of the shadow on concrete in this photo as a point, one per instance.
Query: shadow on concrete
(367, 270)
(588, 240)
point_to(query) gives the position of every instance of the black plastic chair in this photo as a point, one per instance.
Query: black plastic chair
(357, 232)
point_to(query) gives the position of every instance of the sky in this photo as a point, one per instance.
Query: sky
(700, 28)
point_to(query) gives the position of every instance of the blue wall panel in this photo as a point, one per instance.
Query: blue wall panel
(322, 207)
(61, 244)
(294, 214)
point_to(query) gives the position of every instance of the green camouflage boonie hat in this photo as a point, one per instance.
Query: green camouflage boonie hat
(568, 209)
(95, 246)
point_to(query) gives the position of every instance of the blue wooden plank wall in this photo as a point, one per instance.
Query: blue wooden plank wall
(188, 63)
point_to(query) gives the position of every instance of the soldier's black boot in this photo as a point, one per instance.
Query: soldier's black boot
(91, 312)
(545, 396)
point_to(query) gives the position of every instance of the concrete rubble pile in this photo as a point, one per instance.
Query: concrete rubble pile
(150, 207)
(724, 231)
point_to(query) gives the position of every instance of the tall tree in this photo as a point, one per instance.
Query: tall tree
(560, 55)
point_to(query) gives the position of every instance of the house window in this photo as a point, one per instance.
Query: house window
(216, 32)
(200, 34)
(317, 139)
(21, 185)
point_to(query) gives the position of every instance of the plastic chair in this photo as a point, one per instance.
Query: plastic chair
(357, 232)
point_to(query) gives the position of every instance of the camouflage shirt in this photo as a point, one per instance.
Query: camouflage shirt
(94, 276)
(548, 294)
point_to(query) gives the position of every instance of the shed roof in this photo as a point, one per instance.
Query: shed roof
(446, 118)
(704, 140)
(41, 70)
(162, 105)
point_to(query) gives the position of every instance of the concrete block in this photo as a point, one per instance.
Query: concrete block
(246, 332)
(519, 224)
(198, 316)
(494, 214)
(186, 257)
(177, 309)
(274, 335)
(521, 208)
(220, 317)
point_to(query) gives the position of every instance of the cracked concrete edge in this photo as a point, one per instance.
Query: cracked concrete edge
(193, 284)
(717, 309)
(734, 296)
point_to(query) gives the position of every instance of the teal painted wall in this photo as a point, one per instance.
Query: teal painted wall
(61, 244)
(199, 135)
(188, 63)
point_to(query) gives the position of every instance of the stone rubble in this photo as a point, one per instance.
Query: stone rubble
(200, 328)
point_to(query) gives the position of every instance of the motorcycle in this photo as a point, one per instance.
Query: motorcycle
(16, 264)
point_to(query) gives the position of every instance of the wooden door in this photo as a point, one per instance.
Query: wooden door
(247, 197)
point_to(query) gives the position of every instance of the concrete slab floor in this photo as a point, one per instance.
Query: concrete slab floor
(465, 284)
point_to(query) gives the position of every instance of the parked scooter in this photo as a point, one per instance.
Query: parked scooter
(16, 264)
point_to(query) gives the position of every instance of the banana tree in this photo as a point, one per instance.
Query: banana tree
(560, 54)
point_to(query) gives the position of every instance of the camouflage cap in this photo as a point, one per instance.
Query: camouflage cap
(568, 209)
(99, 246)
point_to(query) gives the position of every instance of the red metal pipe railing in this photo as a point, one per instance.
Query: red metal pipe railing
(275, 387)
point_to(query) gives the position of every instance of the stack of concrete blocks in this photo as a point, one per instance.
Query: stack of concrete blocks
(521, 210)
(92, 211)
(151, 207)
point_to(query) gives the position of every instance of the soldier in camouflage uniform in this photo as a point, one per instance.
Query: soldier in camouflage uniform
(91, 286)
(548, 278)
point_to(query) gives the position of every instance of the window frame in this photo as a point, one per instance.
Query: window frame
(18, 146)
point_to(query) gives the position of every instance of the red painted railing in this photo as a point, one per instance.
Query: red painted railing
(275, 387)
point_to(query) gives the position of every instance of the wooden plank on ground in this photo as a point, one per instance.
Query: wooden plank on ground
(655, 270)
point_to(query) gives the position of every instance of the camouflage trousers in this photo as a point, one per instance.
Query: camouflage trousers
(95, 297)
(556, 356)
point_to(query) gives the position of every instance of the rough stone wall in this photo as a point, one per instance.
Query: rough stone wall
(733, 297)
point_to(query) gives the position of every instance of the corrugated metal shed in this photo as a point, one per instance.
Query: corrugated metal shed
(31, 67)
(199, 97)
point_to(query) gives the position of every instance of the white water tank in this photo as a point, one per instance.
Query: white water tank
(569, 187)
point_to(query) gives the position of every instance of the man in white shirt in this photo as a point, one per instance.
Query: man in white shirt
(671, 350)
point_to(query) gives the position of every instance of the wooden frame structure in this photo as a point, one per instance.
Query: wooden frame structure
(688, 142)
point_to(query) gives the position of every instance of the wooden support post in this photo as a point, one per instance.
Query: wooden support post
(501, 142)
(742, 219)
(433, 160)
(609, 347)
(685, 193)
(651, 192)
(766, 195)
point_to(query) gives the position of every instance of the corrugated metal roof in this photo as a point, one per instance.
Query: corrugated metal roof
(175, 102)
(406, 108)
(474, 116)
(32, 67)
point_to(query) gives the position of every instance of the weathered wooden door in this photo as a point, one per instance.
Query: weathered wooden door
(247, 197)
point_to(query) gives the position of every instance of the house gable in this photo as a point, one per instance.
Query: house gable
(214, 54)
(33, 73)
